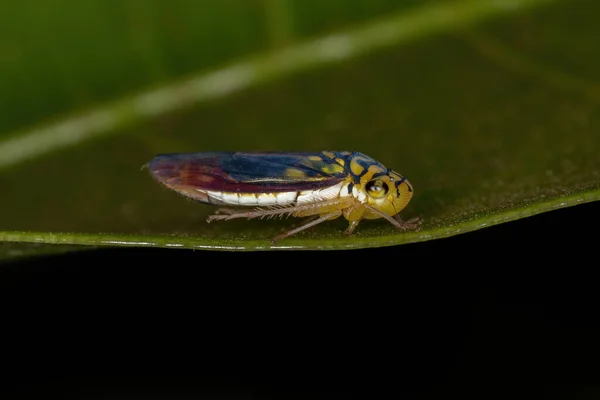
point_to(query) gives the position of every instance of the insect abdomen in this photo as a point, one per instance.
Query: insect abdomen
(277, 198)
(252, 199)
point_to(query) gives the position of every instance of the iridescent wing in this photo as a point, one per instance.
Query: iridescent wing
(233, 172)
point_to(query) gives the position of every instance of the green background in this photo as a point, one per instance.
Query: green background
(490, 111)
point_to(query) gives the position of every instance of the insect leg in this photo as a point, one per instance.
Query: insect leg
(229, 213)
(411, 223)
(396, 221)
(351, 227)
(227, 210)
(317, 221)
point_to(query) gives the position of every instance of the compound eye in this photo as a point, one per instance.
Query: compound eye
(377, 188)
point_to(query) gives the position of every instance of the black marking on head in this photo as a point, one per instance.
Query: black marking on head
(398, 186)
(377, 175)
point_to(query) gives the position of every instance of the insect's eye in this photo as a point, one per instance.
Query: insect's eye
(377, 188)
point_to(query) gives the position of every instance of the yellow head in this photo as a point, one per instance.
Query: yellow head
(377, 186)
(388, 193)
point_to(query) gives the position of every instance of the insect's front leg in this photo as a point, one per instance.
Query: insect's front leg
(412, 223)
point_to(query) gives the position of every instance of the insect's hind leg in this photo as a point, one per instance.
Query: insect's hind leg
(225, 214)
(226, 211)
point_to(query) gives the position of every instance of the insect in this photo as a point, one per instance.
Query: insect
(323, 186)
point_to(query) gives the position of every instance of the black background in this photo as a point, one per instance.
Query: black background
(507, 311)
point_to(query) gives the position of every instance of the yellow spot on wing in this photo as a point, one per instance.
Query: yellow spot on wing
(356, 168)
(294, 173)
(332, 169)
(329, 154)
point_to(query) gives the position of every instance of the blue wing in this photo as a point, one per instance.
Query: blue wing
(247, 172)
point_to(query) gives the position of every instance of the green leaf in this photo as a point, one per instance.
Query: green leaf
(489, 108)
